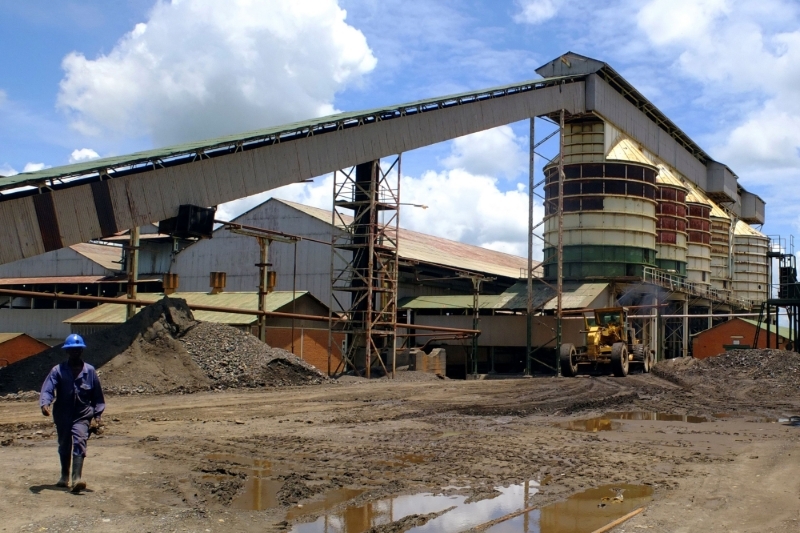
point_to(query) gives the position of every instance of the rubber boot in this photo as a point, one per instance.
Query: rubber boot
(64, 479)
(78, 484)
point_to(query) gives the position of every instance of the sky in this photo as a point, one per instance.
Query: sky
(91, 78)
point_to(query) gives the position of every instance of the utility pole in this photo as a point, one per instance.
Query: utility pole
(133, 271)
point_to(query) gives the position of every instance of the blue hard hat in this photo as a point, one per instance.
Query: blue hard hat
(74, 341)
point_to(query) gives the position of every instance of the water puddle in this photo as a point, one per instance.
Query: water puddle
(332, 499)
(359, 518)
(581, 513)
(259, 492)
(606, 422)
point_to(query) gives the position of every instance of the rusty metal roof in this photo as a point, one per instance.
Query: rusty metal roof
(5, 337)
(107, 256)
(115, 313)
(52, 280)
(743, 228)
(415, 246)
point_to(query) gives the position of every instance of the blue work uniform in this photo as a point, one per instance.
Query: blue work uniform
(77, 401)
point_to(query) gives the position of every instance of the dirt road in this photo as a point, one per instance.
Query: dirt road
(277, 460)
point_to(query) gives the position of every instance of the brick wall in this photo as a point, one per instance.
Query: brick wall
(712, 341)
(311, 345)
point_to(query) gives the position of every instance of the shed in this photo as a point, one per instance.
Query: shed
(733, 334)
(17, 346)
(310, 340)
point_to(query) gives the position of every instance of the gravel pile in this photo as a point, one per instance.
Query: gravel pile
(163, 349)
(778, 367)
(232, 358)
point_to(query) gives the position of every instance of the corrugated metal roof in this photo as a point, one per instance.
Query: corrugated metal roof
(52, 280)
(416, 246)
(743, 228)
(718, 212)
(5, 337)
(784, 332)
(575, 296)
(115, 314)
(107, 256)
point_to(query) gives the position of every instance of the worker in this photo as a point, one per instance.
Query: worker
(79, 403)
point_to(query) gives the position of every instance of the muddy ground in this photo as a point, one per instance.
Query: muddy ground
(196, 462)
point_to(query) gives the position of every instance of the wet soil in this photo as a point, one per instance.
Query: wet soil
(200, 462)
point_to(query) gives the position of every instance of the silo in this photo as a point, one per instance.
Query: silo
(698, 221)
(720, 249)
(671, 237)
(750, 263)
(583, 141)
(609, 219)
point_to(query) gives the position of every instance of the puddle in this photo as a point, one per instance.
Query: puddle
(259, 492)
(606, 422)
(331, 500)
(360, 518)
(583, 512)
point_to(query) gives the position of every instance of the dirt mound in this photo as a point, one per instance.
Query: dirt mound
(233, 358)
(777, 368)
(140, 355)
(164, 349)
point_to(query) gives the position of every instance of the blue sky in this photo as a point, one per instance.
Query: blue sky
(91, 77)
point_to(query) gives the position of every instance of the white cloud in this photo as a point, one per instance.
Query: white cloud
(83, 154)
(203, 68)
(671, 21)
(494, 152)
(6, 170)
(34, 167)
(536, 11)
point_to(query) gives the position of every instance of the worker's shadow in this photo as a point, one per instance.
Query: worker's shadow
(37, 489)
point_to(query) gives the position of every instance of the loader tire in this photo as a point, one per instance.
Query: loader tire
(569, 367)
(619, 359)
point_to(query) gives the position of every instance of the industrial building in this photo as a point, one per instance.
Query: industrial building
(632, 204)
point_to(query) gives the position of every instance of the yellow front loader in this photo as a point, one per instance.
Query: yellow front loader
(610, 343)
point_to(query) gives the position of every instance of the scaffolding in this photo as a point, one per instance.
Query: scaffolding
(364, 266)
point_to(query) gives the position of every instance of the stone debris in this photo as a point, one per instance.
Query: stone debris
(163, 349)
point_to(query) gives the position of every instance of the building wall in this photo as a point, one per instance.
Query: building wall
(44, 324)
(63, 262)
(310, 344)
(19, 348)
(712, 341)
(237, 255)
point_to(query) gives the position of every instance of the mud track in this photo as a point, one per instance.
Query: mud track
(192, 462)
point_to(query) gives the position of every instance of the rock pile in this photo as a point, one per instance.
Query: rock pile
(233, 358)
(164, 349)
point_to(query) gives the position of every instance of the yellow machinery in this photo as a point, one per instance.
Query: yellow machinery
(609, 341)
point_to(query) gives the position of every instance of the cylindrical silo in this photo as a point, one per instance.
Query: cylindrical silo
(750, 263)
(609, 219)
(671, 238)
(720, 249)
(698, 221)
(583, 141)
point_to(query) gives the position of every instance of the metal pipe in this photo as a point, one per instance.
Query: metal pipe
(263, 245)
(294, 291)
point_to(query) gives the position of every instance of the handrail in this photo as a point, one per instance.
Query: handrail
(680, 284)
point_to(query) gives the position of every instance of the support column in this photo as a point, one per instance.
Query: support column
(560, 251)
(685, 328)
(263, 245)
(529, 321)
(133, 271)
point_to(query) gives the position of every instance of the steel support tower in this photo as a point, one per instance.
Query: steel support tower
(364, 265)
